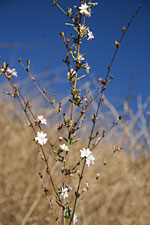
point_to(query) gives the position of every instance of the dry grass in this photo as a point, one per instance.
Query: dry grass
(121, 196)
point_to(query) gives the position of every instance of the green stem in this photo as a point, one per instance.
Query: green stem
(61, 9)
(55, 2)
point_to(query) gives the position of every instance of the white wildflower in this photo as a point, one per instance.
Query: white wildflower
(85, 152)
(90, 160)
(83, 30)
(87, 67)
(80, 57)
(89, 156)
(75, 219)
(64, 193)
(68, 187)
(11, 72)
(90, 35)
(42, 119)
(41, 138)
(64, 147)
(85, 10)
(71, 73)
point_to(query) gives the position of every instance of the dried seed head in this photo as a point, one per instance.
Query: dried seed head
(123, 29)
(63, 36)
(99, 79)
(28, 62)
(91, 98)
(109, 67)
(120, 117)
(111, 76)
(19, 60)
(82, 111)
(45, 189)
(15, 88)
(44, 91)
(103, 89)
(101, 100)
(104, 82)
(33, 79)
(97, 176)
(117, 149)
(117, 44)
(54, 3)
(41, 176)
(68, 40)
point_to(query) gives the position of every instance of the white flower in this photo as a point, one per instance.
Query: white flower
(64, 193)
(85, 10)
(85, 152)
(83, 30)
(42, 119)
(71, 73)
(87, 67)
(75, 219)
(11, 71)
(80, 57)
(64, 147)
(41, 138)
(68, 187)
(90, 35)
(90, 160)
(89, 156)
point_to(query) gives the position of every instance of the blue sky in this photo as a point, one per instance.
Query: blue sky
(30, 29)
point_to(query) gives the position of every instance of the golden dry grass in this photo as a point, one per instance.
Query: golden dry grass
(121, 196)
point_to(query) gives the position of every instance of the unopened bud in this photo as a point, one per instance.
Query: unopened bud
(123, 29)
(117, 44)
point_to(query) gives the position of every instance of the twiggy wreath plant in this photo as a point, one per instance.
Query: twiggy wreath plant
(78, 69)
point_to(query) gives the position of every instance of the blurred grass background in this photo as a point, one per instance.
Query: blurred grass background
(121, 195)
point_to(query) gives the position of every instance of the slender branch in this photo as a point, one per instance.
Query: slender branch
(55, 3)
(42, 149)
(40, 90)
(98, 107)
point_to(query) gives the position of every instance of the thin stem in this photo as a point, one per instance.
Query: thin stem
(99, 139)
(98, 107)
(49, 200)
(61, 9)
(75, 82)
(55, 3)
(42, 149)
(40, 90)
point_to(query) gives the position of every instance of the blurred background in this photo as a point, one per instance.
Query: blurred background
(30, 29)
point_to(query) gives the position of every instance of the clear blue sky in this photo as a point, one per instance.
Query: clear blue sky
(30, 29)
